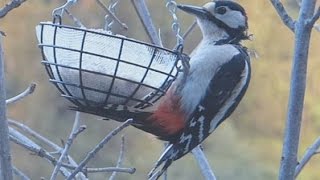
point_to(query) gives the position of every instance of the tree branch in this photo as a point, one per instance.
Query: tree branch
(123, 25)
(144, 15)
(93, 152)
(5, 157)
(22, 95)
(111, 169)
(287, 20)
(189, 30)
(28, 144)
(315, 17)
(297, 91)
(120, 159)
(44, 140)
(76, 129)
(203, 163)
(75, 20)
(311, 151)
(20, 174)
(10, 6)
(34, 134)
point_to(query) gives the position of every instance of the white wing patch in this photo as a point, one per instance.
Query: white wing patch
(201, 121)
(183, 139)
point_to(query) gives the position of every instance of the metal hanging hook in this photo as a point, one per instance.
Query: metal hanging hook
(172, 7)
(183, 58)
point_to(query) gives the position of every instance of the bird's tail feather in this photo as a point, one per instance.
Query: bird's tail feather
(167, 157)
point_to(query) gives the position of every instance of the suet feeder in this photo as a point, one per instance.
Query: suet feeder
(94, 67)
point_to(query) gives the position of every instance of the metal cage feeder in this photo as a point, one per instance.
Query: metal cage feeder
(92, 67)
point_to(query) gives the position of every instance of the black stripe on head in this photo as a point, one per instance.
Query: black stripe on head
(232, 5)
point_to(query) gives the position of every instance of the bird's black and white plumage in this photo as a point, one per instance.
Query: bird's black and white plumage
(218, 79)
(198, 102)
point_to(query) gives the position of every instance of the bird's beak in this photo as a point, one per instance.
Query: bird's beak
(195, 10)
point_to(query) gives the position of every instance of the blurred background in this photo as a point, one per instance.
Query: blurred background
(247, 146)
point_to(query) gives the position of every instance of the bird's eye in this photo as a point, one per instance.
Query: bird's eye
(221, 10)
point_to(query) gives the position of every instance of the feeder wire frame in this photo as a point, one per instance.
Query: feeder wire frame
(84, 101)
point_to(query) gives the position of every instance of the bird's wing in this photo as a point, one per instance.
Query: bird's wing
(223, 95)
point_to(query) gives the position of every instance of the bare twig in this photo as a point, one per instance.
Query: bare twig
(44, 140)
(120, 159)
(75, 20)
(28, 144)
(20, 174)
(92, 153)
(189, 30)
(76, 129)
(311, 151)
(287, 20)
(112, 169)
(34, 134)
(317, 27)
(203, 163)
(10, 6)
(315, 17)
(144, 15)
(5, 157)
(22, 95)
(123, 25)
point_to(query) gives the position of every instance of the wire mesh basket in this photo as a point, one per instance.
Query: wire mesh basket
(92, 67)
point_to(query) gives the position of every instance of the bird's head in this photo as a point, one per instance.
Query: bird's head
(220, 20)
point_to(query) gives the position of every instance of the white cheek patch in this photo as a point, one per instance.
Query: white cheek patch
(233, 19)
(210, 6)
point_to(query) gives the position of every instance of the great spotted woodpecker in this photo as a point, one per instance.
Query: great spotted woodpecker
(196, 104)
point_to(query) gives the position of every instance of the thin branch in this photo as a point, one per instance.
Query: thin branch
(123, 25)
(75, 20)
(311, 151)
(28, 144)
(5, 157)
(287, 20)
(22, 95)
(105, 169)
(20, 174)
(44, 140)
(76, 129)
(189, 30)
(93, 152)
(297, 92)
(111, 169)
(34, 134)
(203, 163)
(315, 17)
(144, 15)
(120, 159)
(10, 6)
(317, 27)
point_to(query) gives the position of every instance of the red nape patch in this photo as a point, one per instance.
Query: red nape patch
(168, 117)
